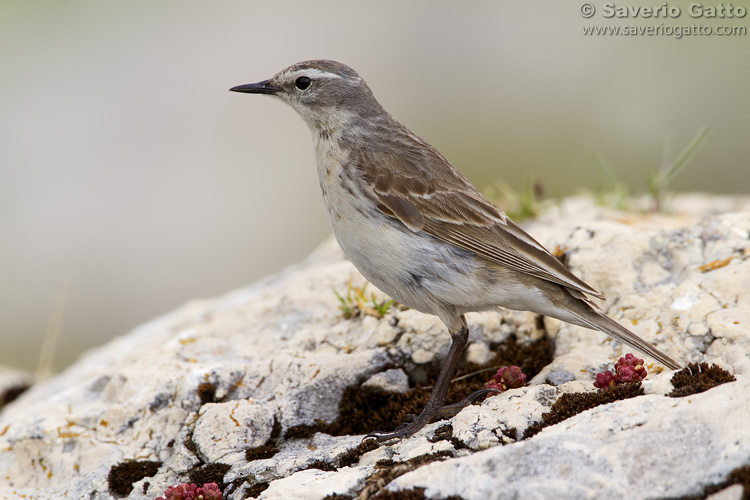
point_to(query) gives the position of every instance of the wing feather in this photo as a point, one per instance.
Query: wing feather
(422, 190)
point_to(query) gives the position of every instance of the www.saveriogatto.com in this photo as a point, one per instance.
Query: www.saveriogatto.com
(726, 19)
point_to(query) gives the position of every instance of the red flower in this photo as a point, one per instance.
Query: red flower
(604, 380)
(627, 369)
(185, 491)
(507, 378)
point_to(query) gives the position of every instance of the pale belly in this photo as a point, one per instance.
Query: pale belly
(414, 268)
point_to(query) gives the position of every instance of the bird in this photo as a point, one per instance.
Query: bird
(419, 230)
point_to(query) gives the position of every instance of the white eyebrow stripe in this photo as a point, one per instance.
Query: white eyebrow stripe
(316, 73)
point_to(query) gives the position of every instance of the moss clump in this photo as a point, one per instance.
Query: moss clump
(695, 378)
(574, 403)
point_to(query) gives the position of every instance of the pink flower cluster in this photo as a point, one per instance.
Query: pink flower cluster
(209, 491)
(507, 378)
(627, 369)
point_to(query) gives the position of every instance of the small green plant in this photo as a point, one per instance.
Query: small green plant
(657, 180)
(518, 205)
(355, 303)
(618, 193)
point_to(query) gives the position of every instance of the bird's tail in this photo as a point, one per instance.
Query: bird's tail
(597, 321)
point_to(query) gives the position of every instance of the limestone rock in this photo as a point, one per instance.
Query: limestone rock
(248, 390)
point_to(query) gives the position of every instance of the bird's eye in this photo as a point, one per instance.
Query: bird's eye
(302, 82)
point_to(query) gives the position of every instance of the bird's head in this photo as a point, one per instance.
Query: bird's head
(326, 94)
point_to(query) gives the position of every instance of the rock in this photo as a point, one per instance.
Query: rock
(265, 390)
(733, 492)
(232, 427)
(13, 383)
(608, 452)
(314, 483)
(394, 380)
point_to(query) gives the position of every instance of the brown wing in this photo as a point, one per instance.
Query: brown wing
(422, 190)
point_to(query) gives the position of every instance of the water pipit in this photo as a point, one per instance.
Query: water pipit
(418, 229)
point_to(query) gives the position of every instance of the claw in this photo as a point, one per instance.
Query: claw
(471, 398)
(373, 435)
(434, 408)
(427, 416)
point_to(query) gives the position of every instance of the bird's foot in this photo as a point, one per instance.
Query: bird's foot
(427, 416)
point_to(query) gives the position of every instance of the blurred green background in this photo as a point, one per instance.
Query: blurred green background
(127, 168)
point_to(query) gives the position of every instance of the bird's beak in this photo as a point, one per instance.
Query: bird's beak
(263, 87)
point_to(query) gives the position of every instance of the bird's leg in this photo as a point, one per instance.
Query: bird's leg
(434, 407)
